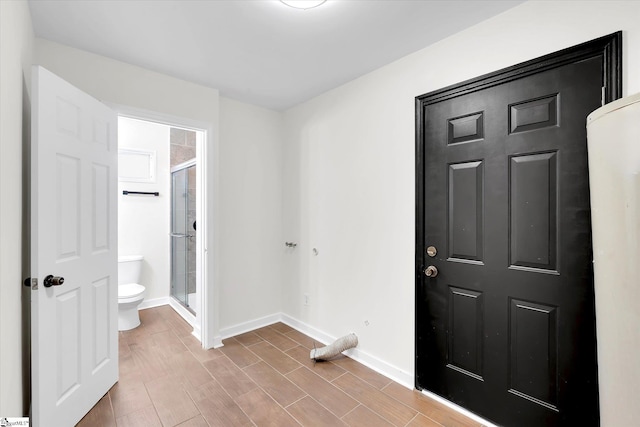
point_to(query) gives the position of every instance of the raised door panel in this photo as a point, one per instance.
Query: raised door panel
(534, 114)
(101, 320)
(465, 212)
(465, 335)
(67, 207)
(465, 128)
(533, 347)
(67, 345)
(533, 231)
(101, 209)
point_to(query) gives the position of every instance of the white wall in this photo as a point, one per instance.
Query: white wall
(349, 174)
(16, 44)
(144, 221)
(251, 236)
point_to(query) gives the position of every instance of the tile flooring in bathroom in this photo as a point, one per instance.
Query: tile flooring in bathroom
(260, 378)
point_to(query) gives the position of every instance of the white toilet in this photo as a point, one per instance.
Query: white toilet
(130, 291)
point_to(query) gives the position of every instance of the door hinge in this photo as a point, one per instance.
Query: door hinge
(603, 95)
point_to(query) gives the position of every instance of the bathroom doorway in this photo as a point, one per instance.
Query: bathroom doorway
(162, 217)
(183, 235)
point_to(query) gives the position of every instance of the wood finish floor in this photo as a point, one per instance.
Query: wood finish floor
(261, 378)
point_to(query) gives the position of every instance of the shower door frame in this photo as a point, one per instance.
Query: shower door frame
(206, 327)
(177, 168)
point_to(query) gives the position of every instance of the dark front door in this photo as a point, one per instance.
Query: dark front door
(506, 328)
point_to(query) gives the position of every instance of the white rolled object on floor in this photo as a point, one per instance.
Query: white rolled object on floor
(339, 345)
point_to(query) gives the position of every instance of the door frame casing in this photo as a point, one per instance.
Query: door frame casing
(608, 47)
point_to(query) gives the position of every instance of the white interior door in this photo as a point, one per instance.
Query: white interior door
(74, 236)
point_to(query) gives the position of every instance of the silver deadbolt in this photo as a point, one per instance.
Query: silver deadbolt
(432, 251)
(51, 280)
(431, 271)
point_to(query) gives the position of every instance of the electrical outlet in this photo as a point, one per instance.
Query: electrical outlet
(306, 299)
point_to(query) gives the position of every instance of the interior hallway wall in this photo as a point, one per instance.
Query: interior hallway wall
(16, 47)
(251, 192)
(349, 162)
(144, 221)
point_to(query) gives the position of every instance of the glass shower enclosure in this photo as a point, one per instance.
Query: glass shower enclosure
(183, 234)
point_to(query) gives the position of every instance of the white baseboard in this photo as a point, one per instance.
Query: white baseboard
(217, 341)
(392, 372)
(403, 378)
(249, 326)
(155, 302)
(196, 333)
(306, 329)
(459, 409)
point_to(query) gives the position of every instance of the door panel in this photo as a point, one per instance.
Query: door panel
(464, 343)
(533, 114)
(74, 324)
(100, 213)
(465, 211)
(533, 211)
(533, 354)
(507, 327)
(68, 356)
(68, 193)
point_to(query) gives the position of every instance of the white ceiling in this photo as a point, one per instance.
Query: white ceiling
(258, 51)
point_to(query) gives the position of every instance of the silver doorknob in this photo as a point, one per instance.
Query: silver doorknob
(50, 280)
(431, 271)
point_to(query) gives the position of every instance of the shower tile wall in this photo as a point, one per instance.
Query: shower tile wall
(183, 148)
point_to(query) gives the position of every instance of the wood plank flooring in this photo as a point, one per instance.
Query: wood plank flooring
(261, 378)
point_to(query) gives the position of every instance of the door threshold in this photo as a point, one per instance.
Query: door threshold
(459, 409)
